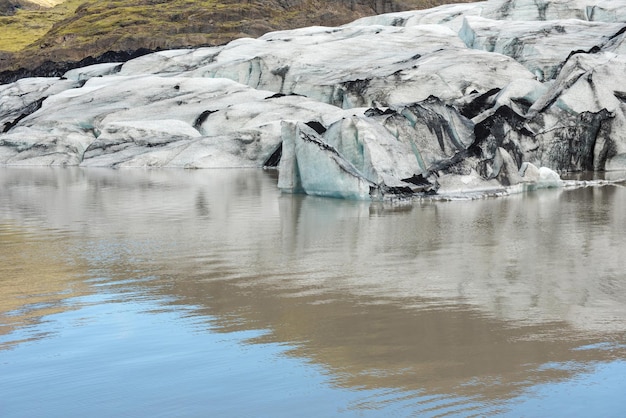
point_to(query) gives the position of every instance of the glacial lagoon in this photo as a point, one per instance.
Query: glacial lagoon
(197, 293)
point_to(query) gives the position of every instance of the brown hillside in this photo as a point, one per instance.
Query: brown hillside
(96, 27)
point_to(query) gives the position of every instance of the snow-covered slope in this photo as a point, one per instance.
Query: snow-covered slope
(459, 98)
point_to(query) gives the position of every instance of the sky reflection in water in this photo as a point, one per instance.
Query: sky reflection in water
(176, 293)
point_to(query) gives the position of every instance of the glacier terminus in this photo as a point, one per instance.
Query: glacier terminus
(488, 97)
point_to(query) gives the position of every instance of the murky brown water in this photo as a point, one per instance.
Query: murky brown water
(208, 293)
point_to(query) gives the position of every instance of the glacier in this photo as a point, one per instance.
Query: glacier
(491, 97)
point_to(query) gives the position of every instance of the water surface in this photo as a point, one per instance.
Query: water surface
(208, 293)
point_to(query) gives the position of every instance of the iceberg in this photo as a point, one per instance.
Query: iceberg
(488, 97)
(318, 168)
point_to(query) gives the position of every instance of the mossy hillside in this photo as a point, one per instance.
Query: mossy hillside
(79, 28)
(86, 22)
(174, 22)
(27, 25)
(163, 21)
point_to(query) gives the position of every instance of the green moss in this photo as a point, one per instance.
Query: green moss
(77, 28)
(164, 21)
(27, 26)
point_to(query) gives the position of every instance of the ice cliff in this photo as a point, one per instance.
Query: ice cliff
(487, 96)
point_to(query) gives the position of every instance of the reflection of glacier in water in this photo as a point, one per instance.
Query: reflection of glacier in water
(551, 255)
(545, 256)
(470, 299)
